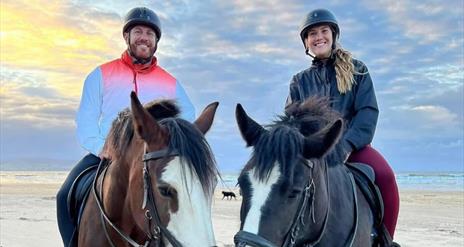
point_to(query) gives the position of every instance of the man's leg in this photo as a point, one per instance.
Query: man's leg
(65, 224)
(385, 179)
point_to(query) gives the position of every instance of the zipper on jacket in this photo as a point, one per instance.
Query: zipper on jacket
(135, 82)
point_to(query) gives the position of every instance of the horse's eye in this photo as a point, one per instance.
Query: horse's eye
(166, 190)
(294, 193)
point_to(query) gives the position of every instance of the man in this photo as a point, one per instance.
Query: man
(106, 92)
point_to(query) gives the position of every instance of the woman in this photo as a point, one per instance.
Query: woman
(347, 83)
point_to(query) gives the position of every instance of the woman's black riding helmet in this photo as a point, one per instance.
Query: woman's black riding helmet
(319, 17)
(142, 16)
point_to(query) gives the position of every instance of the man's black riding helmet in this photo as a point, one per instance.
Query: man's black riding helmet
(142, 16)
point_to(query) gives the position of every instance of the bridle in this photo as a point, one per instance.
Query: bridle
(243, 238)
(156, 230)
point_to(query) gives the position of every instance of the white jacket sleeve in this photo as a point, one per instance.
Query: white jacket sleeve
(186, 106)
(89, 113)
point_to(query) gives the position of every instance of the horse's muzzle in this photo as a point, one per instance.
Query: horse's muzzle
(243, 238)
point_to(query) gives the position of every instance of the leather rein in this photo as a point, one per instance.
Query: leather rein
(156, 230)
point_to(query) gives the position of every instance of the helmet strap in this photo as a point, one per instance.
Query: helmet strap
(309, 54)
(307, 49)
(332, 52)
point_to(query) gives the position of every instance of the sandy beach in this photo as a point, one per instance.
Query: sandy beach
(427, 218)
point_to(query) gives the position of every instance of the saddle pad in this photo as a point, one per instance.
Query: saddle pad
(365, 179)
(79, 192)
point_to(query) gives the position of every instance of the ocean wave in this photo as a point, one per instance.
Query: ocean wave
(34, 177)
(444, 181)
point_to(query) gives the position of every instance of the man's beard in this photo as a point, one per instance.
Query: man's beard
(142, 60)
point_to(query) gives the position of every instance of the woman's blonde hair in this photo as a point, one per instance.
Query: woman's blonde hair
(344, 69)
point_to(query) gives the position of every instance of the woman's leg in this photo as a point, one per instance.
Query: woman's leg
(65, 224)
(385, 179)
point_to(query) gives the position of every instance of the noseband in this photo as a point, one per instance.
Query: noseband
(243, 238)
(156, 230)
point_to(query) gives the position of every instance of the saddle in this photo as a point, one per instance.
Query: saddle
(77, 196)
(364, 177)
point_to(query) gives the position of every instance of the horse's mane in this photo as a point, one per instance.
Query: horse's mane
(122, 129)
(184, 137)
(283, 142)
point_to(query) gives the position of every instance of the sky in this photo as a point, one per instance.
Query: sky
(235, 52)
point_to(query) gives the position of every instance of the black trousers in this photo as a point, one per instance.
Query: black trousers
(65, 224)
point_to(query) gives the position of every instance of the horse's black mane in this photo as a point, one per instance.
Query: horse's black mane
(184, 137)
(283, 141)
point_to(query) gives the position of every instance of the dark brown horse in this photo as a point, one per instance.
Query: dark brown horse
(295, 190)
(155, 184)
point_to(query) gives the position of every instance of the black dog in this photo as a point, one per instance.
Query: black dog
(228, 195)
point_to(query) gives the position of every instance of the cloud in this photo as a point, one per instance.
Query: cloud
(427, 21)
(39, 112)
(37, 140)
(434, 115)
(408, 122)
(445, 75)
(55, 38)
(28, 98)
(234, 52)
(441, 85)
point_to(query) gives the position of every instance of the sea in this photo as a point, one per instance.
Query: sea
(442, 181)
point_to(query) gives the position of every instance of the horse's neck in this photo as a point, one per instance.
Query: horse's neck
(115, 188)
(315, 217)
(338, 178)
(321, 193)
(341, 206)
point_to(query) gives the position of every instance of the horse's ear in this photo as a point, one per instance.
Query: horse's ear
(144, 124)
(250, 130)
(322, 142)
(205, 120)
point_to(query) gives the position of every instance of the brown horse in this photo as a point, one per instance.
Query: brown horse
(155, 184)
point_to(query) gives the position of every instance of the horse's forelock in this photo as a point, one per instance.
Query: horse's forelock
(194, 150)
(282, 146)
(311, 116)
(283, 142)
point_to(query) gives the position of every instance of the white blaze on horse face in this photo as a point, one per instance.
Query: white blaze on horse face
(191, 224)
(260, 193)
